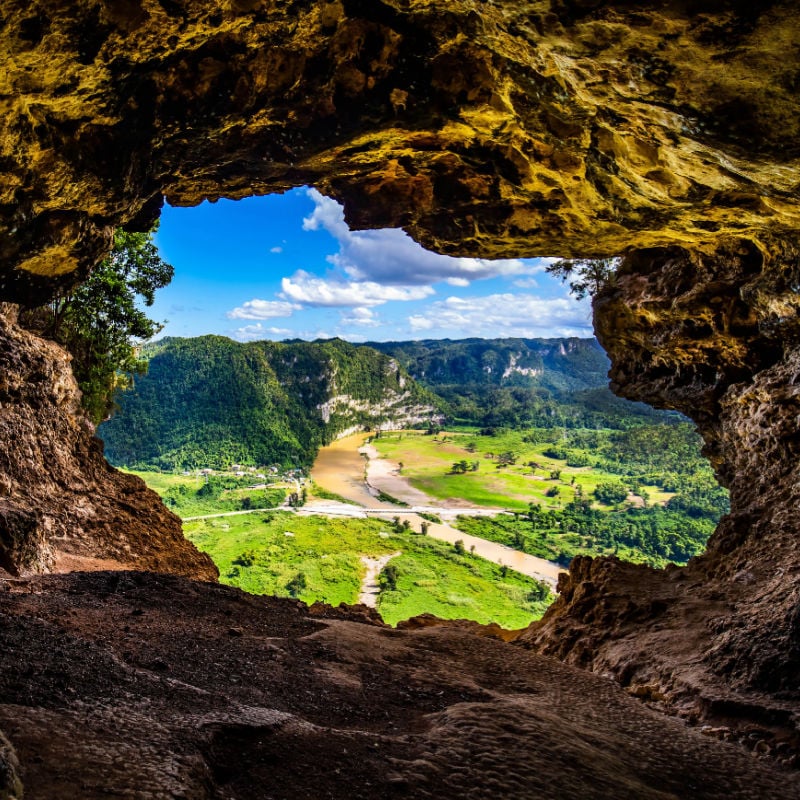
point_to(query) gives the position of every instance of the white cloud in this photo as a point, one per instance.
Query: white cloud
(362, 316)
(263, 309)
(390, 256)
(418, 322)
(250, 333)
(310, 290)
(526, 283)
(276, 249)
(501, 315)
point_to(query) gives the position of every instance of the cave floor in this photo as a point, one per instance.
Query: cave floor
(135, 685)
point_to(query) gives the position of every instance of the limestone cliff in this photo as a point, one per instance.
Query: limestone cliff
(59, 499)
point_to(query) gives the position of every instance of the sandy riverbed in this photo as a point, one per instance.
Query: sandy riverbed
(340, 468)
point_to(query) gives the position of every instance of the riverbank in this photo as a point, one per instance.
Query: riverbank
(341, 468)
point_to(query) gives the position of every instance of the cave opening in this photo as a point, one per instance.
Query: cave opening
(488, 425)
(485, 130)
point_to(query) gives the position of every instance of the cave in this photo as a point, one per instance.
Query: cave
(663, 131)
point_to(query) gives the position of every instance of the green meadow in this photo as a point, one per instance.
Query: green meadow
(319, 559)
(433, 464)
(195, 495)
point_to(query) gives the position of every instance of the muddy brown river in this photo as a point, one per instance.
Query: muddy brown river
(341, 469)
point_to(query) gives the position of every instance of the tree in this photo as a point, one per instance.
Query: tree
(297, 585)
(610, 492)
(458, 546)
(585, 275)
(99, 322)
(388, 578)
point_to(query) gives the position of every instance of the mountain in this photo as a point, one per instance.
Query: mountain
(535, 382)
(210, 402)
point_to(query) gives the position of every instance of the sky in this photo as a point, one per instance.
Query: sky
(287, 266)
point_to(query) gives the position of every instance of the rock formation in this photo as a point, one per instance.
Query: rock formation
(716, 337)
(59, 498)
(666, 130)
(157, 687)
(559, 127)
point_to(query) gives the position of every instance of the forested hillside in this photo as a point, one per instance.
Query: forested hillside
(210, 401)
(520, 382)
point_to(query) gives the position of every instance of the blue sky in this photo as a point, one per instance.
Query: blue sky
(287, 266)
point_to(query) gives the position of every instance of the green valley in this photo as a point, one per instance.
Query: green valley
(318, 559)
(643, 494)
(551, 464)
(211, 402)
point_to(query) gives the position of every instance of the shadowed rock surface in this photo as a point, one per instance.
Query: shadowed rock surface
(664, 130)
(714, 337)
(549, 127)
(153, 686)
(59, 498)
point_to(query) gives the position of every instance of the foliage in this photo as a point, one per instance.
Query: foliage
(520, 382)
(100, 321)
(194, 496)
(285, 551)
(586, 276)
(610, 492)
(653, 535)
(210, 402)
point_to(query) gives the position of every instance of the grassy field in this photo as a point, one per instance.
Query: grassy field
(428, 461)
(194, 495)
(317, 559)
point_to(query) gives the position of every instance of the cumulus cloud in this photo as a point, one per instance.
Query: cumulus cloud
(526, 283)
(392, 257)
(276, 249)
(362, 316)
(309, 290)
(419, 322)
(250, 333)
(263, 309)
(501, 315)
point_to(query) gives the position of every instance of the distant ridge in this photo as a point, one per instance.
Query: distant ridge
(517, 382)
(211, 401)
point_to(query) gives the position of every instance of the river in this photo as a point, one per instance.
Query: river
(340, 468)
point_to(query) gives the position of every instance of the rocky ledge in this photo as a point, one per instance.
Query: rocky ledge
(135, 685)
(62, 505)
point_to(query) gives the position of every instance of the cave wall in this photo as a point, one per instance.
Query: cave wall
(716, 337)
(61, 504)
(666, 130)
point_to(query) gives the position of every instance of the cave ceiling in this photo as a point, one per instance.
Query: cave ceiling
(552, 127)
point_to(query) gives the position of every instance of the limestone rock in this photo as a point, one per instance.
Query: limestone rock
(59, 499)
(143, 692)
(10, 784)
(716, 337)
(491, 129)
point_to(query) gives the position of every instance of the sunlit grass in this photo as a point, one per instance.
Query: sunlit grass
(428, 461)
(265, 555)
